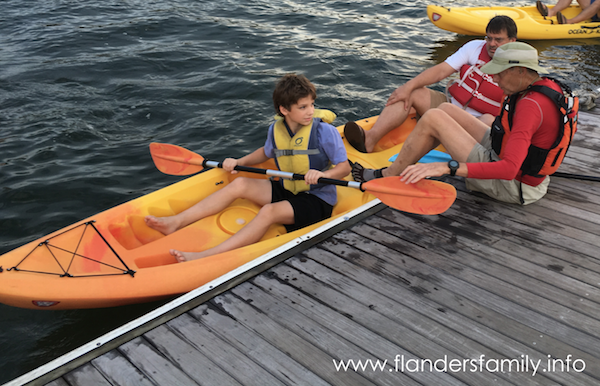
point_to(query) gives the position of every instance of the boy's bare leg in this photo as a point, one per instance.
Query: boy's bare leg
(258, 191)
(392, 116)
(276, 213)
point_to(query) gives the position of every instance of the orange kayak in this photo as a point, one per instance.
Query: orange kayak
(113, 258)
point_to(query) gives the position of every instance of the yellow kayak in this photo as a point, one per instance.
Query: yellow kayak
(113, 258)
(530, 24)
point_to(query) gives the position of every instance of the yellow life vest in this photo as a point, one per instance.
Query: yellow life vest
(298, 153)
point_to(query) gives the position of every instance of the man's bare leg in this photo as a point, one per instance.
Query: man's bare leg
(588, 11)
(488, 119)
(449, 125)
(392, 116)
(560, 5)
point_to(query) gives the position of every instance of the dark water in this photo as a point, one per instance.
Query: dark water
(86, 86)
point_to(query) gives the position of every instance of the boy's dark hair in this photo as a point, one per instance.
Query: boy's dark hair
(502, 23)
(291, 88)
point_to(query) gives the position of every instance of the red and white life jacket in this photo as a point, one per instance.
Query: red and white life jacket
(476, 89)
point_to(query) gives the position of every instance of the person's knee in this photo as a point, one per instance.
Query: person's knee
(421, 100)
(280, 212)
(432, 122)
(269, 213)
(432, 116)
(240, 185)
(239, 182)
(448, 107)
(488, 119)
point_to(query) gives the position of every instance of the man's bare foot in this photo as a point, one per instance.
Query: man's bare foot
(185, 256)
(164, 225)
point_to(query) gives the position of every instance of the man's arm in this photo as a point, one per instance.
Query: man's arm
(426, 78)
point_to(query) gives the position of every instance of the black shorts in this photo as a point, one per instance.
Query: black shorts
(308, 208)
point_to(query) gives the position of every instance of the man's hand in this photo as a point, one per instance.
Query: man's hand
(415, 173)
(401, 94)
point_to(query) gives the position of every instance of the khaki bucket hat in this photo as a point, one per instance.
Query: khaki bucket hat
(515, 54)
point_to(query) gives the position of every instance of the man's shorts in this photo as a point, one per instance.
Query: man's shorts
(502, 190)
(308, 208)
(437, 98)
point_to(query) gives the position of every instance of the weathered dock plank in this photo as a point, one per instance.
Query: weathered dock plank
(118, 370)
(195, 364)
(457, 323)
(233, 361)
(87, 375)
(363, 343)
(155, 366)
(301, 350)
(274, 360)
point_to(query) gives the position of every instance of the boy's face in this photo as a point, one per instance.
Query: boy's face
(300, 113)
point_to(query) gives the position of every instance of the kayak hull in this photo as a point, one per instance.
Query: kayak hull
(113, 258)
(530, 24)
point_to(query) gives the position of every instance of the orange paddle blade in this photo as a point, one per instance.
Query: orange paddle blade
(175, 160)
(424, 197)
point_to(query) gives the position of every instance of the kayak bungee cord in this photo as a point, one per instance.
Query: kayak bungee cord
(65, 272)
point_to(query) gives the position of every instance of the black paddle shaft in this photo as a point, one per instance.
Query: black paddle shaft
(287, 175)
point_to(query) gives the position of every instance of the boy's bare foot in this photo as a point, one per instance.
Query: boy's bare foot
(185, 256)
(164, 225)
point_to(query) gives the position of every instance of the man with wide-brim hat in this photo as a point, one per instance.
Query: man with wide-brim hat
(516, 58)
(493, 164)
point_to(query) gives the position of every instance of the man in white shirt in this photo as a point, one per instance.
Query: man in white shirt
(474, 91)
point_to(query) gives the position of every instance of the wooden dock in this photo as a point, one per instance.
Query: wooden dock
(492, 293)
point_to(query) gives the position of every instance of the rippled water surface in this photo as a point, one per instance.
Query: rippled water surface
(86, 86)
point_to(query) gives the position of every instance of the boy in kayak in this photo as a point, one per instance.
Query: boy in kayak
(512, 160)
(590, 9)
(475, 92)
(300, 144)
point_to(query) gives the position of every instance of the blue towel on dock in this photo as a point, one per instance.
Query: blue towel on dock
(432, 156)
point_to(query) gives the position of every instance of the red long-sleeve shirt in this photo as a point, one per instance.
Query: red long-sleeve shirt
(536, 121)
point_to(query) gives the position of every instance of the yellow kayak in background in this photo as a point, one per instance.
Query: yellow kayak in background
(530, 24)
